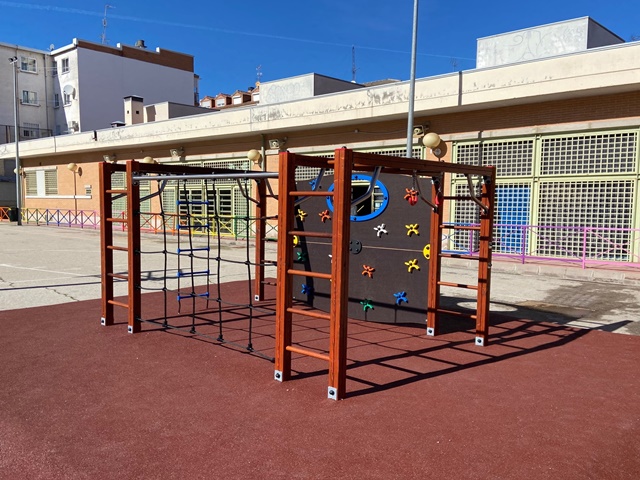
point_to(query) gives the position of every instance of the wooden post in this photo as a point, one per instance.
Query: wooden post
(106, 239)
(133, 244)
(435, 263)
(343, 164)
(284, 297)
(484, 267)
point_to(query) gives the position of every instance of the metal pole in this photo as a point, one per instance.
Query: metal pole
(14, 62)
(412, 81)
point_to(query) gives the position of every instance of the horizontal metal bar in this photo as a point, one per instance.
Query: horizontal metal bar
(212, 176)
(308, 353)
(460, 227)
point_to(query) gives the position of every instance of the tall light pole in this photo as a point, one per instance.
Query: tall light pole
(412, 80)
(14, 61)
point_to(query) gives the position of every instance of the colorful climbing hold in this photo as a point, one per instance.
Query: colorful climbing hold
(301, 256)
(325, 215)
(366, 305)
(296, 240)
(426, 251)
(367, 270)
(380, 229)
(412, 228)
(401, 297)
(412, 265)
(306, 289)
(301, 215)
(411, 196)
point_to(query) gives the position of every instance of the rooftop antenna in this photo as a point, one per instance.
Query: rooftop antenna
(103, 37)
(258, 74)
(353, 64)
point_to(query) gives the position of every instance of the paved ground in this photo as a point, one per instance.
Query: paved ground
(49, 265)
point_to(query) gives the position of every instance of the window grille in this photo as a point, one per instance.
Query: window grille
(32, 183)
(589, 154)
(602, 204)
(512, 209)
(512, 158)
(50, 182)
(118, 182)
(465, 213)
(169, 200)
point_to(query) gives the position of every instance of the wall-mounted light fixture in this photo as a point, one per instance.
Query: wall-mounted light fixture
(111, 158)
(177, 153)
(433, 141)
(255, 156)
(75, 168)
(148, 160)
(277, 143)
(21, 173)
(419, 130)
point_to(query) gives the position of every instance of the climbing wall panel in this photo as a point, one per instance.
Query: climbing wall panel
(389, 249)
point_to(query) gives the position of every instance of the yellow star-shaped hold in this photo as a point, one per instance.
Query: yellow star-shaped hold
(301, 215)
(412, 265)
(412, 228)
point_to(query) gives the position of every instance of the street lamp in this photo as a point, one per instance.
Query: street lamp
(14, 61)
(412, 80)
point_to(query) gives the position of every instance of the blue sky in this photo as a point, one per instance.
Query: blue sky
(229, 40)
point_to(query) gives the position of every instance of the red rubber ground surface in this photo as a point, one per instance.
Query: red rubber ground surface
(79, 400)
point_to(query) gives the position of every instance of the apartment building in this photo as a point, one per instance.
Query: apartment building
(92, 79)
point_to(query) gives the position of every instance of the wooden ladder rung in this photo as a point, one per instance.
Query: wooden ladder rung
(302, 233)
(458, 285)
(309, 313)
(304, 273)
(454, 312)
(117, 304)
(118, 275)
(117, 220)
(311, 193)
(118, 192)
(460, 255)
(120, 249)
(308, 353)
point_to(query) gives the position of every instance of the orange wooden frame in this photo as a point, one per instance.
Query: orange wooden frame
(343, 163)
(131, 223)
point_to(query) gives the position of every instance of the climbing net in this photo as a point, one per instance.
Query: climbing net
(197, 261)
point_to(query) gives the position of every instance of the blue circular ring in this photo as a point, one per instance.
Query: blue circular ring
(375, 213)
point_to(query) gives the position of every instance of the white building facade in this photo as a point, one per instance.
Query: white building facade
(92, 79)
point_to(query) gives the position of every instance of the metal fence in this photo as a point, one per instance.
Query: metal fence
(224, 225)
(579, 245)
(584, 246)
